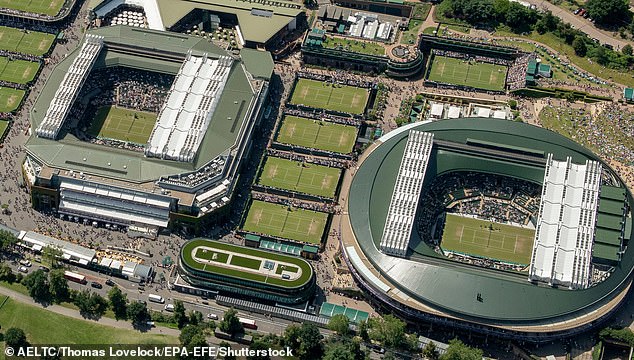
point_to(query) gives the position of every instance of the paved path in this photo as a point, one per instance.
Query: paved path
(75, 314)
(580, 23)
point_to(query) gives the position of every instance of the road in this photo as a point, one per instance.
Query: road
(580, 23)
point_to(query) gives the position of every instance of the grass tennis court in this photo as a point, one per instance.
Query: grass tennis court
(10, 99)
(17, 71)
(26, 42)
(279, 220)
(122, 124)
(327, 96)
(46, 7)
(296, 176)
(487, 239)
(317, 134)
(460, 72)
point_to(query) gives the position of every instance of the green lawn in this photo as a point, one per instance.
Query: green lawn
(420, 10)
(317, 134)
(410, 36)
(478, 75)
(46, 7)
(17, 71)
(216, 256)
(352, 45)
(117, 123)
(46, 327)
(321, 95)
(27, 42)
(245, 262)
(296, 176)
(281, 268)
(10, 99)
(4, 125)
(473, 237)
(279, 220)
(195, 246)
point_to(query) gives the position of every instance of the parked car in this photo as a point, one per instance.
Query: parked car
(26, 263)
(96, 285)
(212, 316)
(23, 269)
(150, 323)
(110, 282)
(576, 12)
(169, 307)
(44, 268)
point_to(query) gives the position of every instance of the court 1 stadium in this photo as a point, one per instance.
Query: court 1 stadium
(490, 226)
(174, 167)
(237, 270)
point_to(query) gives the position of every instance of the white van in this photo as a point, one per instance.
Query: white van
(169, 307)
(156, 298)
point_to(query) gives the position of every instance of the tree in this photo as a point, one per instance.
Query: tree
(226, 345)
(363, 331)
(51, 254)
(501, 7)
(192, 336)
(346, 349)
(91, 305)
(37, 284)
(262, 346)
(15, 338)
(230, 323)
(627, 50)
(388, 330)
(430, 352)
(118, 303)
(291, 337)
(339, 324)
(179, 314)
(195, 317)
(457, 350)
(608, 12)
(600, 55)
(7, 240)
(311, 346)
(579, 45)
(519, 18)
(138, 313)
(6, 274)
(58, 285)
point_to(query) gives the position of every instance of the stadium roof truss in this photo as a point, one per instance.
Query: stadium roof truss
(409, 181)
(69, 88)
(187, 111)
(562, 250)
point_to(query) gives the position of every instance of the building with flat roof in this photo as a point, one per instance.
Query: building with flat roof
(188, 169)
(258, 22)
(207, 265)
(579, 272)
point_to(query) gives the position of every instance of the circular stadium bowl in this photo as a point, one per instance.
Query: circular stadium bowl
(439, 290)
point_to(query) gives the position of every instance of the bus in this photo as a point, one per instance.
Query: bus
(78, 278)
(156, 298)
(248, 323)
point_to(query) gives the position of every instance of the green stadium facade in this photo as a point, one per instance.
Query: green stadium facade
(198, 279)
(313, 52)
(259, 23)
(429, 288)
(113, 187)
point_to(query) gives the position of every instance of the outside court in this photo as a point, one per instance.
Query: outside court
(279, 220)
(322, 95)
(317, 134)
(302, 177)
(26, 42)
(468, 73)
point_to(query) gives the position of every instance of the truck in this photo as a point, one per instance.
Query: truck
(248, 323)
(156, 298)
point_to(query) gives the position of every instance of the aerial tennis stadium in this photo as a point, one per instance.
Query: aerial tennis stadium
(491, 226)
(143, 130)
